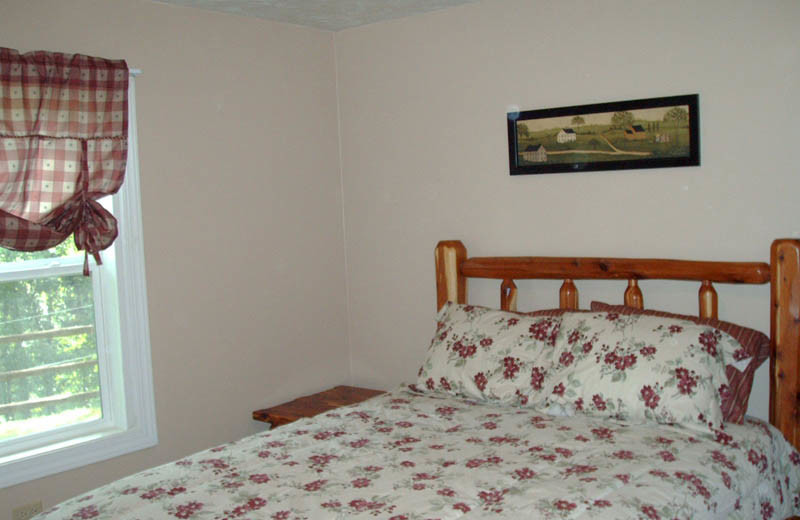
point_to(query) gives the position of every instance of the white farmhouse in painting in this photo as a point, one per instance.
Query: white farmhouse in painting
(535, 153)
(566, 135)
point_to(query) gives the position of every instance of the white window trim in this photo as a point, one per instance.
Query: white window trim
(137, 430)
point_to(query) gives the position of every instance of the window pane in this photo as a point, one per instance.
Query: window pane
(48, 355)
(65, 248)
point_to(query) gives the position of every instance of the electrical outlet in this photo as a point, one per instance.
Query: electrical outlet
(27, 511)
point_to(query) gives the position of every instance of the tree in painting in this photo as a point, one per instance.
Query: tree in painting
(621, 119)
(677, 115)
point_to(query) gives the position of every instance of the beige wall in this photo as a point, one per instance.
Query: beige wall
(424, 153)
(242, 213)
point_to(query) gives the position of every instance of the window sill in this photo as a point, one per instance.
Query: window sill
(70, 454)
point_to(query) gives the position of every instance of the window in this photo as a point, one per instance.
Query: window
(75, 372)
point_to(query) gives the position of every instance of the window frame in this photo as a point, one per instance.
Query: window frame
(126, 386)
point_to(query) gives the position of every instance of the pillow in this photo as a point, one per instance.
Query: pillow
(488, 354)
(755, 345)
(639, 368)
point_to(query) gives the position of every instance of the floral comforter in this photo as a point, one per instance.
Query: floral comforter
(406, 455)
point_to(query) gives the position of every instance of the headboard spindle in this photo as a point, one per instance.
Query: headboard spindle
(633, 295)
(708, 300)
(568, 295)
(508, 295)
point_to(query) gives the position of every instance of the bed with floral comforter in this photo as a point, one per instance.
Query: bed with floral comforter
(411, 455)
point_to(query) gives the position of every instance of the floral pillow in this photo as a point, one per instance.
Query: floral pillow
(640, 368)
(488, 354)
(755, 351)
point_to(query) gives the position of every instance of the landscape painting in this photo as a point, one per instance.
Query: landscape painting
(644, 133)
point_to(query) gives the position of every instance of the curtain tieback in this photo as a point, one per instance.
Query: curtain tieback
(93, 226)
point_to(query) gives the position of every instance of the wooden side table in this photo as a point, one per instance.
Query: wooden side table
(314, 404)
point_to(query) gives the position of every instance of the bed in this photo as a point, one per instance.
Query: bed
(609, 412)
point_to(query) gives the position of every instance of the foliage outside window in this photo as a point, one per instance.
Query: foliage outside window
(49, 374)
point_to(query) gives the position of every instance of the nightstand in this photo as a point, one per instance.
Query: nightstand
(314, 404)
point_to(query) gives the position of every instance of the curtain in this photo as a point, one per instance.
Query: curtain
(63, 145)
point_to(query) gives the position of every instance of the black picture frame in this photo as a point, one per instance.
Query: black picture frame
(656, 133)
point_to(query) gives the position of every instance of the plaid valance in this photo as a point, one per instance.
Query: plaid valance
(63, 145)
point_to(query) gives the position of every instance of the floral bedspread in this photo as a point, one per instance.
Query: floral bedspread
(406, 455)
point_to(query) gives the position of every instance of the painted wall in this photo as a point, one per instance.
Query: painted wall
(242, 213)
(424, 154)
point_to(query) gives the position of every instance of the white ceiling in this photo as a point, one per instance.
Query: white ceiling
(331, 15)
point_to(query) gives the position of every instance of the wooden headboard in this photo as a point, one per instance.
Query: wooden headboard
(453, 267)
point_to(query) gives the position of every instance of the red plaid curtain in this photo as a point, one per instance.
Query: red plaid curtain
(63, 145)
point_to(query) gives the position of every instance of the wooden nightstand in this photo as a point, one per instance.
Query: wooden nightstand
(311, 405)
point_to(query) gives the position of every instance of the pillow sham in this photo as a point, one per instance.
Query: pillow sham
(755, 347)
(488, 354)
(639, 368)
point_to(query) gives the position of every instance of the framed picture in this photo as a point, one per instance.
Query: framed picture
(643, 133)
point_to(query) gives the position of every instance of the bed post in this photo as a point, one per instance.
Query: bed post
(451, 285)
(784, 400)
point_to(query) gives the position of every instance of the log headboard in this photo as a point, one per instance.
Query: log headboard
(453, 267)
